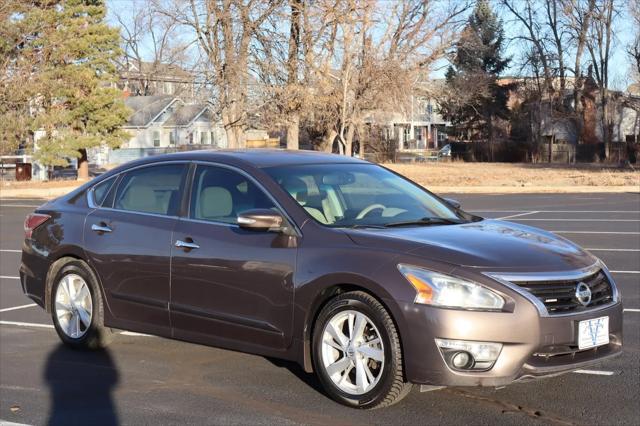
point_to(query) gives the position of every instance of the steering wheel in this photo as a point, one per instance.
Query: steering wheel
(369, 209)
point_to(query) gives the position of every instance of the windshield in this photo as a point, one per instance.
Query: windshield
(352, 195)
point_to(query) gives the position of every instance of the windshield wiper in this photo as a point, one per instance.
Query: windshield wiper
(363, 226)
(425, 221)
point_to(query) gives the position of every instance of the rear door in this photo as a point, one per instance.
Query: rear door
(230, 286)
(128, 241)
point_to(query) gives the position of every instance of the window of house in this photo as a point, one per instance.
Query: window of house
(407, 133)
(190, 138)
(172, 138)
(213, 139)
(203, 138)
(156, 138)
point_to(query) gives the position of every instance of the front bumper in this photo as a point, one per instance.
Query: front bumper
(533, 346)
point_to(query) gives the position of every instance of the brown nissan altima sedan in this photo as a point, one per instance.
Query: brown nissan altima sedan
(349, 269)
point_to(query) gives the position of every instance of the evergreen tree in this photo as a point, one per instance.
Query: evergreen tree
(475, 99)
(71, 52)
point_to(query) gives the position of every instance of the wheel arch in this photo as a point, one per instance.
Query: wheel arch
(58, 261)
(323, 297)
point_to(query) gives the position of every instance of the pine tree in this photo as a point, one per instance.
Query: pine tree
(475, 99)
(72, 53)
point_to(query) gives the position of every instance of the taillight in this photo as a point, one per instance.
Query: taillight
(32, 221)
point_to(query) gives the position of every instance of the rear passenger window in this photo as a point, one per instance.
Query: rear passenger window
(220, 194)
(154, 189)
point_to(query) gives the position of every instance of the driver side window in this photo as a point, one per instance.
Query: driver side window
(220, 195)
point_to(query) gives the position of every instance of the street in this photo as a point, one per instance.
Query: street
(149, 380)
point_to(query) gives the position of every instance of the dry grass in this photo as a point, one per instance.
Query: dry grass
(459, 174)
(454, 177)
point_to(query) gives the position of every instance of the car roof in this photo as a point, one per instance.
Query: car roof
(260, 158)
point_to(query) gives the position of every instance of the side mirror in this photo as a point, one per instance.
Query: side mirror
(261, 220)
(453, 203)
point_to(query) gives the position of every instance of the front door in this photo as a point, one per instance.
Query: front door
(128, 240)
(230, 285)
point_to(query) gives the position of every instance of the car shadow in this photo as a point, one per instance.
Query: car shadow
(81, 384)
(294, 368)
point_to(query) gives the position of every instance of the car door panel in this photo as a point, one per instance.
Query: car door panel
(132, 261)
(238, 285)
(128, 242)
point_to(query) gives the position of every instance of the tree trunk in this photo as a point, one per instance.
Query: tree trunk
(361, 141)
(83, 165)
(327, 141)
(293, 132)
(348, 143)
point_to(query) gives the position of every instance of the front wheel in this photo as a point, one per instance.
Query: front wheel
(357, 353)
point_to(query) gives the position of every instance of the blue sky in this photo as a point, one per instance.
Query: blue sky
(620, 65)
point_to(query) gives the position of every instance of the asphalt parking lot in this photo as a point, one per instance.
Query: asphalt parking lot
(150, 380)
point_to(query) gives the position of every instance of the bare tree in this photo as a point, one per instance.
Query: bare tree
(225, 31)
(599, 44)
(633, 50)
(375, 53)
(153, 49)
(579, 14)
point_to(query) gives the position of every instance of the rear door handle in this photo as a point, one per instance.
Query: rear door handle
(100, 228)
(187, 245)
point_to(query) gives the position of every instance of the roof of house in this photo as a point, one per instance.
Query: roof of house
(146, 108)
(186, 114)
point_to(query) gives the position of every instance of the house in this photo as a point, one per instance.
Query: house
(418, 126)
(570, 143)
(140, 78)
(164, 123)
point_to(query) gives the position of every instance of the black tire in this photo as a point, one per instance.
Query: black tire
(392, 386)
(96, 336)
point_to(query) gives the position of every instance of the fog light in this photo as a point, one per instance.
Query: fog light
(462, 360)
(469, 355)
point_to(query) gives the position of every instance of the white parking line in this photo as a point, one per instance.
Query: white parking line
(10, 251)
(625, 272)
(15, 308)
(8, 423)
(19, 205)
(9, 277)
(33, 324)
(596, 372)
(630, 310)
(517, 215)
(25, 324)
(133, 333)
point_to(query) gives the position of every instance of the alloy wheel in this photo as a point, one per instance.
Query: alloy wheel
(352, 352)
(73, 305)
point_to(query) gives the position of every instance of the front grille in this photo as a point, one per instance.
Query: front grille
(559, 297)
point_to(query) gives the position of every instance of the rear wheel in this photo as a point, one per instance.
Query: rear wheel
(357, 353)
(76, 307)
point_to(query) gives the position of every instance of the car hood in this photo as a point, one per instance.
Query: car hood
(490, 244)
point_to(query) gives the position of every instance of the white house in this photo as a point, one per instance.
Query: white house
(164, 123)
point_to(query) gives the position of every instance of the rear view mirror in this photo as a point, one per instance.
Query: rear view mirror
(261, 220)
(339, 178)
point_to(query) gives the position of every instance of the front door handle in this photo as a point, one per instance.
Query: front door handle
(102, 228)
(187, 245)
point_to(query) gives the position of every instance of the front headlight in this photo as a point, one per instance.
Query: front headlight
(442, 290)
